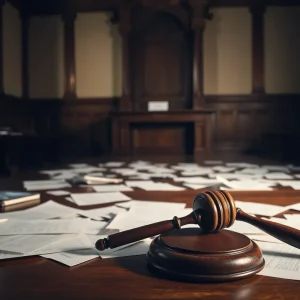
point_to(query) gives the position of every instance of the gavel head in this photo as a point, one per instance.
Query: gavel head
(217, 209)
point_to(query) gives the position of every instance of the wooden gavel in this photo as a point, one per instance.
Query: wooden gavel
(212, 211)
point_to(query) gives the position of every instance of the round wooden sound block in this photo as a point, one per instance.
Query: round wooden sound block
(190, 254)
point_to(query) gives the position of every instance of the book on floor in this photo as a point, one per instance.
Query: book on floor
(8, 198)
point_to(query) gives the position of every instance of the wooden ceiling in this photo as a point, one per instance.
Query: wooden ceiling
(38, 7)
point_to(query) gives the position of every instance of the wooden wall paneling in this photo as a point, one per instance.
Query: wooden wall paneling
(68, 17)
(1, 49)
(166, 138)
(85, 126)
(258, 9)
(25, 20)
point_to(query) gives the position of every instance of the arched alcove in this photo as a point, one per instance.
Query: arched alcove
(161, 61)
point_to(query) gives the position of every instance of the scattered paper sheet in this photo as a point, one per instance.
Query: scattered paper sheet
(198, 180)
(195, 186)
(46, 210)
(65, 175)
(278, 176)
(45, 185)
(295, 184)
(73, 258)
(282, 260)
(242, 165)
(264, 238)
(16, 227)
(261, 209)
(68, 243)
(24, 244)
(55, 172)
(139, 248)
(113, 164)
(276, 168)
(135, 217)
(246, 184)
(78, 166)
(254, 171)
(98, 198)
(95, 227)
(213, 162)
(104, 212)
(197, 172)
(223, 169)
(58, 193)
(89, 169)
(112, 188)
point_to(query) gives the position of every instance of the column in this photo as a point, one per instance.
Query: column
(258, 73)
(25, 19)
(125, 29)
(68, 18)
(1, 49)
(198, 25)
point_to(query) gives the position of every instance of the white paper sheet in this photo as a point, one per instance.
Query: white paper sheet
(98, 198)
(58, 193)
(236, 175)
(197, 172)
(276, 168)
(139, 248)
(136, 215)
(24, 244)
(16, 227)
(282, 260)
(73, 258)
(47, 210)
(262, 209)
(47, 186)
(41, 182)
(198, 180)
(89, 169)
(242, 165)
(293, 218)
(78, 166)
(295, 184)
(246, 184)
(213, 162)
(195, 186)
(223, 169)
(114, 164)
(68, 243)
(264, 238)
(65, 175)
(103, 212)
(54, 172)
(111, 188)
(254, 171)
(95, 227)
(278, 176)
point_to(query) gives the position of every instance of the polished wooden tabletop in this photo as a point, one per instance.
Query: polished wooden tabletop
(129, 278)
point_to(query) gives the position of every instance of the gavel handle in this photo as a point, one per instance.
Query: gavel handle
(284, 233)
(140, 233)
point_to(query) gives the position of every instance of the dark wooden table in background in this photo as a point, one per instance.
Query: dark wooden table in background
(129, 278)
